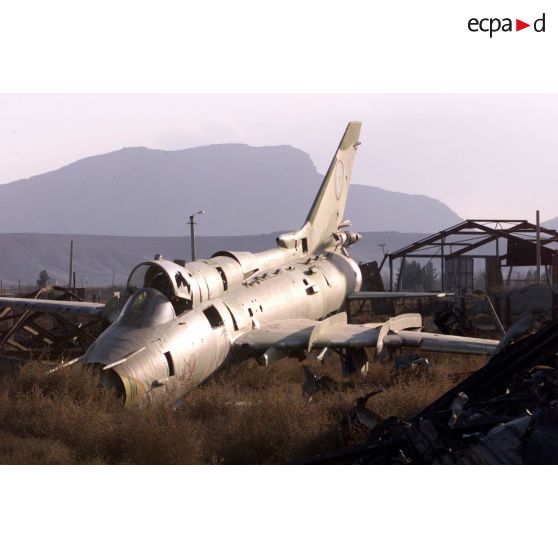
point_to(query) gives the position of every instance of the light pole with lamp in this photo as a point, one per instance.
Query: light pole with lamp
(192, 236)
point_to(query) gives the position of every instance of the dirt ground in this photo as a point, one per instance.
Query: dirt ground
(246, 415)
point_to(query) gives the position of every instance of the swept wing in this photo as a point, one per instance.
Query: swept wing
(62, 307)
(334, 332)
(365, 295)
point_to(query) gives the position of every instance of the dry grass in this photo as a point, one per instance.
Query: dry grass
(245, 415)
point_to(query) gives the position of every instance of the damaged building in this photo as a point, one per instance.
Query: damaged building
(499, 245)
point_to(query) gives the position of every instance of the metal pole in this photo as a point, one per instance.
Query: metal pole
(498, 262)
(399, 286)
(498, 248)
(390, 274)
(192, 239)
(538, 248)
(443, 266)
(71, 263)
(192, 234)
(502, 329)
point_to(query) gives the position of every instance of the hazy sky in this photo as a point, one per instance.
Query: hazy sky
(484, 155)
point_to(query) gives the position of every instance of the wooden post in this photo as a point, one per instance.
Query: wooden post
(70, 274)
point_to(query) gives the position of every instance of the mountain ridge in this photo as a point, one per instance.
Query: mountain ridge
(244, 190)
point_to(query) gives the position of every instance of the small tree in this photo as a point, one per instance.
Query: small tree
(417, 277)
(43, 279)
(429, 277)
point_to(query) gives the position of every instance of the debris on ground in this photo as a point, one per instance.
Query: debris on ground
(409, 367)
(412, 361)
(505, 413)
(453, 321)
(315, 383)
(526, 324)
(360, 420)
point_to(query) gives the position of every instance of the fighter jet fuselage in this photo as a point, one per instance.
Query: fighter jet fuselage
(152, 348)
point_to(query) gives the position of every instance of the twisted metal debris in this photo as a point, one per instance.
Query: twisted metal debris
(505, 413)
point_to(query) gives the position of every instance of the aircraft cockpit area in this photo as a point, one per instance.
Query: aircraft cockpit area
(146, 308)
(167, 278)
(186, 284)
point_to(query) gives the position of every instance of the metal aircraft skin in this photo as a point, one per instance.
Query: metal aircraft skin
(184, 321)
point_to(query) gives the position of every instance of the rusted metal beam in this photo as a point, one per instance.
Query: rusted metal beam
(54, 335)
(474, 228)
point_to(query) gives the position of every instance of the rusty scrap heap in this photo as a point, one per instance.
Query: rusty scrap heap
(505, 413)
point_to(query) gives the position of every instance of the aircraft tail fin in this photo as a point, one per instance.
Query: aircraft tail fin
(326, 213)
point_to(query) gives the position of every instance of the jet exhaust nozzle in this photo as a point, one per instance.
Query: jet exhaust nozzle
(346, 238)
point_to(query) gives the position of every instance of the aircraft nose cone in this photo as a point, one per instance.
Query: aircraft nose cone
(109, 349)
(131, 363)
(120, 365)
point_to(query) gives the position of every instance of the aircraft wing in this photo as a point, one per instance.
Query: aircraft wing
(63, 307)
(334, 332)
(365, 295)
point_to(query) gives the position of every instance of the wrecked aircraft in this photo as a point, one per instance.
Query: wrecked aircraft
(183, 321)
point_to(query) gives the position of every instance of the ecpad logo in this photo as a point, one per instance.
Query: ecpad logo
(493, 25)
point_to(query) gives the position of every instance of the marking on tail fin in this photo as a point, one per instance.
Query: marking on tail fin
(339, 175)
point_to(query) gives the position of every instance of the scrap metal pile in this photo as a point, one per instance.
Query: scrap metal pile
(505, 413)
(27, 334)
